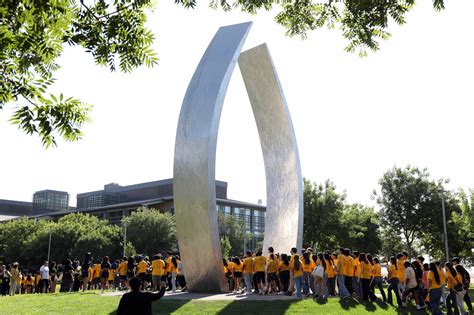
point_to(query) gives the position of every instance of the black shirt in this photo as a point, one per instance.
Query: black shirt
(138, 303)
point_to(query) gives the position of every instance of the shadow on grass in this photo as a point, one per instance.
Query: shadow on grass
(257, 307)
(162, 306)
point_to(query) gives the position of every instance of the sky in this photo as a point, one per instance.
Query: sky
(354, 118)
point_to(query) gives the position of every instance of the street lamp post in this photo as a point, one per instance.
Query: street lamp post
(124, 237)
(444, 225)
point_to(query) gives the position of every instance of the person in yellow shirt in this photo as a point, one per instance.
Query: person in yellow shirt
(434, 285)
(320, 276)
(296, 267)
(122, 272)
(260, 263)
(331, 274)
(248, 269)
(401, 272)
(443, 281)
(284, 272)
(308, 267)
(174, 272)
(112, 273)
(356, 285)
(96, 274)
(168, 269)
(272, 269)
(394, 282)
(230, 267)
(348, 270)
(158, 272)
(364, 276)
(456, 290)
(142, 266)
(377, 280)
(341, 278)
(238, 268)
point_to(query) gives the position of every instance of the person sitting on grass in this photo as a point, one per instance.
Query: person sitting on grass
(136, 302)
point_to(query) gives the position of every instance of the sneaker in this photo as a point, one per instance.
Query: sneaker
(421, 307)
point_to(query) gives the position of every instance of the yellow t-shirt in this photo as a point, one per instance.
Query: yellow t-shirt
(357, 267)
(168, 264)
(365, 270)
(111, 274)
(452, 281)
(141, 268)
(401, 270)
(173, 268)
(434, 284)
(158, 267)
(349, 266)
(296, 273)
(376, 270)
(96, 271)
(340, 264)
(393, 272)
(238, 268)
(283, 267)
(260, 262)
(272, 266)
(123, 267)
(308, 267)
(230, 266)
(248, 262)
(442, 276)
(330, 269)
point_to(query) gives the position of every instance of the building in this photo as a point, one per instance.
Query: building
(115, 202)
(11, 209)
(50, 200)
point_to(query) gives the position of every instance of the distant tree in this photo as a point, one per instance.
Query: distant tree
(410, 204)
(233, 229)
(14, 238)
(360, 229)
(463, 226)
(225, 247)
(151, 231)
(392, 242)
(323, 208)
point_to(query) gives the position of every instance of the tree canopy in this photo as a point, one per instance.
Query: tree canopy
(33, 33)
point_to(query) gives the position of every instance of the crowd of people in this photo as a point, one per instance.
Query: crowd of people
(99, 274)
(303, 274)
(352, 274)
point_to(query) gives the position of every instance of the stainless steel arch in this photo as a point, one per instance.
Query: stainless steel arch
(195, 153)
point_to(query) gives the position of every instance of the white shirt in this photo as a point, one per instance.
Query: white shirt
(44, 271)
(410, 277)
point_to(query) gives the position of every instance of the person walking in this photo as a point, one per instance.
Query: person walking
(394, 282)
(434, 284)
(343, 291)
(247, 273)
(296, 267)
(44, 277)
(377, 279)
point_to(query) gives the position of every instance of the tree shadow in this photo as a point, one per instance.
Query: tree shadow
(163, 306)
(257, 307)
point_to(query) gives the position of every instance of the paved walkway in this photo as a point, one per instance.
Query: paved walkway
(215, 297)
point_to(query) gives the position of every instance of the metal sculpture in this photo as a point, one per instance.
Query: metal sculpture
(195, 154)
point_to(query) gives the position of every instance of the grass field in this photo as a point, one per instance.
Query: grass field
(94, 303)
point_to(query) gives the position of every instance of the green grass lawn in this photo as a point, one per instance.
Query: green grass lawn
(93, 303)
